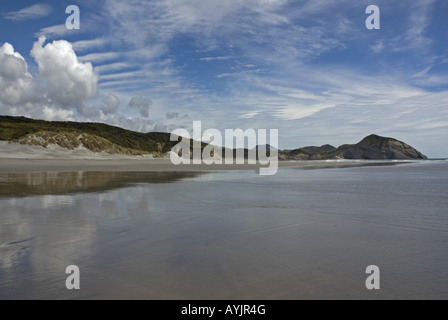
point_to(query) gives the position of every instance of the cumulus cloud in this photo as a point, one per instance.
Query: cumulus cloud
(34, 12)
(69, 83)
(172, 115)
(55, 114)
(110, 104)
(16, 83)
(59, 90)
(142, 104)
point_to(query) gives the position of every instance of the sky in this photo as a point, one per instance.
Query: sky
(309, 68)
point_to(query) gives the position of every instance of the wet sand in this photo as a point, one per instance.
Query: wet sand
(301, 234)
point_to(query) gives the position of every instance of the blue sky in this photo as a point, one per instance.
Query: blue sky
(309, 68)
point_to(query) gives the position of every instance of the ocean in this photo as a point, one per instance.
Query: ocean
(301, 234)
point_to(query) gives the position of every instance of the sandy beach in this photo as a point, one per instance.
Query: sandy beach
(21, 158)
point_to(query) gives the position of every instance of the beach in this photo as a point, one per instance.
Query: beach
(20, 158)
(143, 228)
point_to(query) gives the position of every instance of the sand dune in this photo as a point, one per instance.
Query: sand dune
(19, 151)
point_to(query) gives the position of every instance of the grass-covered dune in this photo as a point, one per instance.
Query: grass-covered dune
(96, 137)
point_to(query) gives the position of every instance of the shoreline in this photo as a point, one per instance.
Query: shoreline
(16, 158)
(10, 165)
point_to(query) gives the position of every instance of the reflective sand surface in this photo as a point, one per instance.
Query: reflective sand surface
(227, 235)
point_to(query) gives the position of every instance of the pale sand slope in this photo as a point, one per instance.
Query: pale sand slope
(21, 158)
(54, 152)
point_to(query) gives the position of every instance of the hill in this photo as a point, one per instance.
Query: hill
(96, 137)
(372, 147)
(375, 147)
(99, 137)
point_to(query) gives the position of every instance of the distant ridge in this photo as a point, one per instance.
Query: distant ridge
(372, 147)
(99, 137)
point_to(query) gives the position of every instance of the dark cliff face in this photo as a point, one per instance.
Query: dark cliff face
(372, 147)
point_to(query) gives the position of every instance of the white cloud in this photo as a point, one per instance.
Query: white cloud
(60, 89)
(16, 84)
(422, 73)
(413, 34)
(29, 13)
(123, 85)
(250, 115)
(117, 66)
(208, 59)
(209, 22)
(418, 24)
(160, 127)
(69, 83)
(300, 111)
(123, 75)
(84, 45)
(172, 115)
(55, 114)
(377, 47)
(142, 104)
(110, 104)
(291, 98)
(89, 22)
(427, 79)
(54, 31)
(101, 57)
(261, 29)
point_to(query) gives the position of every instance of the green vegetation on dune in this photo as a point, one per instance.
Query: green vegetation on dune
(75, 140)
(97, 136)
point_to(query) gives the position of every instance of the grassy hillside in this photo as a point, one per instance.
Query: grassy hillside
(20, 129)
(97, 137)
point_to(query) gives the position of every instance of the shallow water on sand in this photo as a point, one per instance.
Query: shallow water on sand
(300, 234)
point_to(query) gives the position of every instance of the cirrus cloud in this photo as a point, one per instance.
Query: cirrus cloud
(35, 11)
